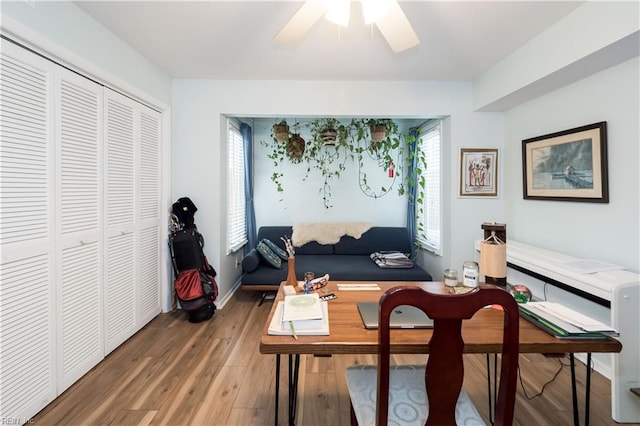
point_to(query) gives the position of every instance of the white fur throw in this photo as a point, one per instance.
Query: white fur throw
(326, 233)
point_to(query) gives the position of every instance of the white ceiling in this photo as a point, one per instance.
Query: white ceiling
(459, 40)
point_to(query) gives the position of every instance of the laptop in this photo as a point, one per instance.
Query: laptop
(403, 316)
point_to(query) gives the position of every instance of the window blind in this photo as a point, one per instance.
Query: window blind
(236, 204)
(430, 218)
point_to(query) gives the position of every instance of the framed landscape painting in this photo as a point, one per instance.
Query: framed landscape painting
(478, 172)
(567, 166)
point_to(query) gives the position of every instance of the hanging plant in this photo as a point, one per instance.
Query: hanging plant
(280, 131)
(378, 129)
(332, 145)
(329, 137)
(326, 129)
(295, 147)
(327, 152)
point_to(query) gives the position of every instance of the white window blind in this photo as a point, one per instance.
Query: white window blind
(430, 217)
(236, 204)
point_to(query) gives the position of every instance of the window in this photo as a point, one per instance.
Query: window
(236, 204)
(430, 138)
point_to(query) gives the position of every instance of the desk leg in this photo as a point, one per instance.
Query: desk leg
(293, 387)
(587, 391)
(492, 400)
(277, 386)
(294, 368)
(574, 395)
(587, 395)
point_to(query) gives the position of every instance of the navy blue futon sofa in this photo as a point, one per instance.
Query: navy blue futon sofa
(347, 260)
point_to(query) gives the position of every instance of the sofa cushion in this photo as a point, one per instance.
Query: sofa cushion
(269, 255)
(274, 233)
(379, 238)
(313, 248)
(251, 261)
(276, 249)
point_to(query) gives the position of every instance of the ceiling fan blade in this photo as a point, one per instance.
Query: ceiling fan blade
(396, 29)
(302, 21)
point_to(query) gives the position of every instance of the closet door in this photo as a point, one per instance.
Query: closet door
(120, 198)
(79, 231)
(149, 223)
(27, 236)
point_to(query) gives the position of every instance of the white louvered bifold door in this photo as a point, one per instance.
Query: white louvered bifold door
(120, 198)
(78, 180)
(148, 213)
(27, 333)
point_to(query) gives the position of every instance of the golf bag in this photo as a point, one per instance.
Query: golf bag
(195, 286)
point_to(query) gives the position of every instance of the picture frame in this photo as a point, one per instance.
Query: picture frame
(570, 165)
(478, 172)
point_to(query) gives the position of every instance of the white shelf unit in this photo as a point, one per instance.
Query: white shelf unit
(612, 297)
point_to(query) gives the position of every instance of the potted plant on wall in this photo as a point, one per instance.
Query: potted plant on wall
(327, 152)
(326, 129)
(280, 131)
(295, 147)
(378, 129)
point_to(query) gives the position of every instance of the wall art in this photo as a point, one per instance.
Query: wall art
(570, 165)
(478, 172)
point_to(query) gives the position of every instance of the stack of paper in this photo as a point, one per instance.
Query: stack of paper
(306, 314)
(564, 322)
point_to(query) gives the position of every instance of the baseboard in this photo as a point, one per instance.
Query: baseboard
(223, 301)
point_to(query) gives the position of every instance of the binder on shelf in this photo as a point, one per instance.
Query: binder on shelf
(563, 322)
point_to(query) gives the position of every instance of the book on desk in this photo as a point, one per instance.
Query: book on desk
(301, 315)
(563, 322)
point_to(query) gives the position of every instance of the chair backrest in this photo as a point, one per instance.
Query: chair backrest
(445, 367)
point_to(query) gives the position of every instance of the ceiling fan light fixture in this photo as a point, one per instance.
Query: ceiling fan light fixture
(374, 10)
(338, 12)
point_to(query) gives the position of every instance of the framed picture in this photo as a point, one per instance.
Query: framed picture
(478, 172)
(567, 166)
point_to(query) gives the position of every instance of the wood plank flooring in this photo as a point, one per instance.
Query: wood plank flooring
(173, 373)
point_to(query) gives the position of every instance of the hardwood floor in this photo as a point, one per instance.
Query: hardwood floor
(173, 372)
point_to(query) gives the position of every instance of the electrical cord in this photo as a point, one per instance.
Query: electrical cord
(561, 365)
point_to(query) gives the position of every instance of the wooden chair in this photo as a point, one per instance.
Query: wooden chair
(433, 394)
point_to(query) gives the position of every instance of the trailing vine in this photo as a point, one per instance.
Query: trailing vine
(333, 144)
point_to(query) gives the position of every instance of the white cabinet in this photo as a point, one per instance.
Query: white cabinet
(120, 125)
(149, 217)
(78, 145)
(132, 232)
(27, 238)
(80, 226)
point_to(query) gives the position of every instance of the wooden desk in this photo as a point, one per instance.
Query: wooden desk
(481, 334)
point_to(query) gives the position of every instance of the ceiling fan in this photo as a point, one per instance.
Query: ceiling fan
(386, 14)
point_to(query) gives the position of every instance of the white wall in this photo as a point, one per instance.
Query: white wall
(608, 232)
(199, 152)
(592, 38)
(63, 29)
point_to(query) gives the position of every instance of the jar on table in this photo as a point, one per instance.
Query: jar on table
(450, 277)
(470, 274)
